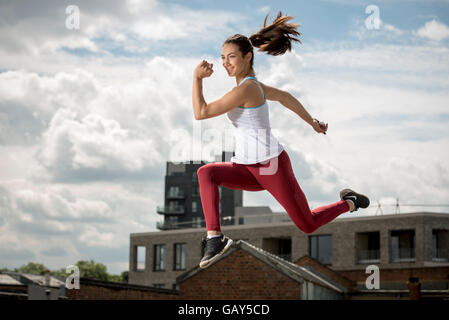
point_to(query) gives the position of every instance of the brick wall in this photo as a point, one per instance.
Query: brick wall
(18, 288)
(334, 276)
(101, 290)
(423, 274)
(239, 276)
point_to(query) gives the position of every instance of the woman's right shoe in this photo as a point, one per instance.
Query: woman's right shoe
(359, 200)
(213, 249)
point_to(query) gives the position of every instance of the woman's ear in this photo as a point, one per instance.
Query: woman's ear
(248, 56)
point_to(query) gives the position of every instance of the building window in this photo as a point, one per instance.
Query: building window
(180, 256)
(196, 222)
(368, 247)
(159, 285)
(159, 257)
(172, 222)
(195, 191)
(140, 258)
(440, 243)
(320, 248)
(194, 206)
(403, 246)
(281, 247)
(175, 191)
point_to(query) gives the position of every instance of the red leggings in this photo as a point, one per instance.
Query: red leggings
(275, 176)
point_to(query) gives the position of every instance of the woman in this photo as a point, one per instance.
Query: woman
(260, 161)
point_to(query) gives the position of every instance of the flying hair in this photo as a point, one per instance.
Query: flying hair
(276, 38)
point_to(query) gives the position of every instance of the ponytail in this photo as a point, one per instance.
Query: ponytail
(276, 38)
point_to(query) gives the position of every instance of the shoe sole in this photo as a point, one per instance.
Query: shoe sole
(205, 264)
(346, 191)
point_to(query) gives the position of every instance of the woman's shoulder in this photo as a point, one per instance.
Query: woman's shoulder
(251, 86)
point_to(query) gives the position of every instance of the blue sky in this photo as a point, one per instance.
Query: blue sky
(89, 117)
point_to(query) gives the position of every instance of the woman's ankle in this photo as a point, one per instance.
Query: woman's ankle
(351, 205)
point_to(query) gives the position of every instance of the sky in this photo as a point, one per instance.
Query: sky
(90, 112)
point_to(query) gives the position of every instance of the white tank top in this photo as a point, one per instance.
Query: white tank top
(254, 141)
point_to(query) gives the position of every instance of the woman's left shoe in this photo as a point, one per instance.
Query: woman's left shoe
(213, 249)
(359, 200)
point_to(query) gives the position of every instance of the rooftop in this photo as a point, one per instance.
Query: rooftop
(291, 270)
(276, 224)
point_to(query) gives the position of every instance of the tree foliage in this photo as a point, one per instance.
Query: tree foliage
(88, 269)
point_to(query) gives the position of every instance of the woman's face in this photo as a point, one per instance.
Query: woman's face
(233, 60)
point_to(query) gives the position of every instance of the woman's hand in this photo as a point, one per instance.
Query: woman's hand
(203, 70)
(319, 126)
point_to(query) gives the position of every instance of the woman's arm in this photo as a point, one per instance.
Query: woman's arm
(203, 110)
(290, 102)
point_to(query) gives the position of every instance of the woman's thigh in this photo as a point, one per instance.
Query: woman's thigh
(281, 183)
(230, 175)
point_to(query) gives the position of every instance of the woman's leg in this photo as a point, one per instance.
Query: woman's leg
(282, 184)
(227, 174)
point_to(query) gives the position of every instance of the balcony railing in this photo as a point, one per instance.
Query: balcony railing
(170, 209)
(176, 194)
(440, 255)
(161, 225)
(368, 256)
(403, 255)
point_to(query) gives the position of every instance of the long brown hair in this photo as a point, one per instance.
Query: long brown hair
(274, 39)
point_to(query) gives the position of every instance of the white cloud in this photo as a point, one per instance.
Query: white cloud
(134, 26)
(433, 30)
(85, 138)
(93, 142)
(380, 31)
(264, 10)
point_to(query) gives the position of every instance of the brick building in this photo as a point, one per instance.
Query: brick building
(403, 246)
(247, 272)
(182, 202)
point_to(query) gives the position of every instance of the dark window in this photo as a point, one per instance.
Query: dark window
(368, 247)
(180, 256)
(195, 191)
(159, 257)
(281, 247)
(440, 244)
(403, 246)
(320, 248)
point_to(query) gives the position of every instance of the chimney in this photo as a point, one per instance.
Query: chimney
(414, 287)
(47, 278)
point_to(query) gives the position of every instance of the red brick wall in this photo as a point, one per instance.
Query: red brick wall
(402, 275)
(96, 292)
(335, 276)
(239, 276)
(14, 288)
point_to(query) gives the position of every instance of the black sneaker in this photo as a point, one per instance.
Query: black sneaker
(359, 200)
(213, 249)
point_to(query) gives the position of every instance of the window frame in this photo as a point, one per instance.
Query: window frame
(159, 259)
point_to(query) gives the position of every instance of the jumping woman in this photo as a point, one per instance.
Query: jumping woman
(260, 161)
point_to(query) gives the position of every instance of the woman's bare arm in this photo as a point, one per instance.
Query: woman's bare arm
(203, 110)
(290, 102)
